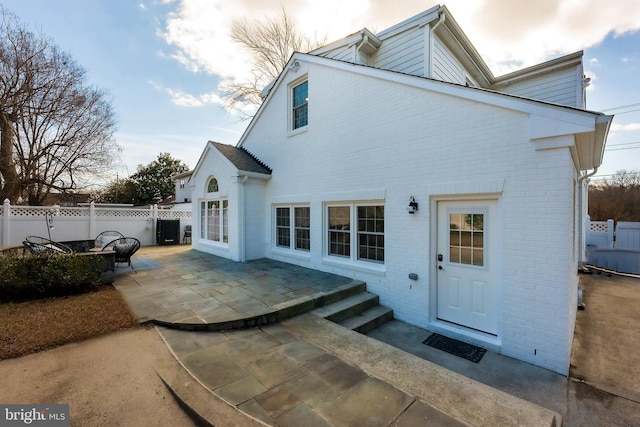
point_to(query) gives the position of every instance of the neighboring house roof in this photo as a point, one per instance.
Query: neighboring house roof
(592, 127)
(186, 174)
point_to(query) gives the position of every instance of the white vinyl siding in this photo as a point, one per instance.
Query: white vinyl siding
(560, 87)
(342, 53)
(403, 52)
(445, 66)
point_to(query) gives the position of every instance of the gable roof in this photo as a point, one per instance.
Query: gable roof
(593, 127)
(236, 157)
(242, 159)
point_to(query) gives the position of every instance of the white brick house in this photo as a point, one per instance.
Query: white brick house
(350, 134)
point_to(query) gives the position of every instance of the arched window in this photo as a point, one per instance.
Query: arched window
(212, 186)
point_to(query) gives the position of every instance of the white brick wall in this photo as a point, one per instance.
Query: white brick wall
(369, 134)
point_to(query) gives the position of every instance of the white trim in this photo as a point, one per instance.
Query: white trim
(356, 195)
(352, 262)
(291, 250)
(492, 342)
(290, 88)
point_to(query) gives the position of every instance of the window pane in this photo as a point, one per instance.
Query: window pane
(225, 221)
(300, 104)
(339, 230)
(212, 187)
(371, 233)
(302, 228)
(478, 257)
(203, 220)
(466, 239)
(283, 231)
(213, 221)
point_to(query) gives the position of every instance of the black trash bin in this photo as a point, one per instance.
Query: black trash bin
(168, 231)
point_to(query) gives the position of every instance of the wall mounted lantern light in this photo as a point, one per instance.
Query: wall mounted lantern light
(413, 205)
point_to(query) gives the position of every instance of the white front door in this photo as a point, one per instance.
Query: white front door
(467, 263)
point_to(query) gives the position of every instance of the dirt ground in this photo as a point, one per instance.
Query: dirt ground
(606, 351)
(108, 380)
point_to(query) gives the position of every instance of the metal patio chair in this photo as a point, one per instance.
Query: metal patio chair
(106, 237)
(42, 245)
(187, 234)
(124, 248)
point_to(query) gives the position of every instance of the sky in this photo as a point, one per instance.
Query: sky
(163, 61)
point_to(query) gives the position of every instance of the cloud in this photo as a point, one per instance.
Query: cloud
(507, 32)
(184, 99)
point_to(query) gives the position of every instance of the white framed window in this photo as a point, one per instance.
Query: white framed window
(293, 227)
(355, 231)
(299, 106)
(214, 220)
(214, 214)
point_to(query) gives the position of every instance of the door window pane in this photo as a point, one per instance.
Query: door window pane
(466, 239)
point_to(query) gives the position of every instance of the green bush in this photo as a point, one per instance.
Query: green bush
(25, 277)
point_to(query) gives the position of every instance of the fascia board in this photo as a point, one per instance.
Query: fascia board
(256, 175)
(571, 60)
(346, 41)
(545, 126)
(422, 18)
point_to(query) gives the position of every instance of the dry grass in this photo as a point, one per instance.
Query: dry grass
(33, 326)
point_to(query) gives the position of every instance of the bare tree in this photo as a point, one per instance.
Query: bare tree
(56, 131)
(616, 198)
(271, 43)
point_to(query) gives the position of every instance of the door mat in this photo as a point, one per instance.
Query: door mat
(455, 347)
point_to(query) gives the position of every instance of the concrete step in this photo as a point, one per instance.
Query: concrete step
(347, 307)
(368, 319)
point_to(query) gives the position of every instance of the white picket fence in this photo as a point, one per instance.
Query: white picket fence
(85, 223)
(614, 249)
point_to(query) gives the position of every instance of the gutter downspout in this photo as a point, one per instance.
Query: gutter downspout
(358, 55)
(581, 218)
(431, 35)
(243, 216)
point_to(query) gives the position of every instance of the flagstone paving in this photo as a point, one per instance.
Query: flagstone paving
(185, 288)
(301, 371)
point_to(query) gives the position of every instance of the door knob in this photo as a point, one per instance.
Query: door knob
(440, 257)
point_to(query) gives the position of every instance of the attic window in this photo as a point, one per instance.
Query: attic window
(300, 105)
(212, 186)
